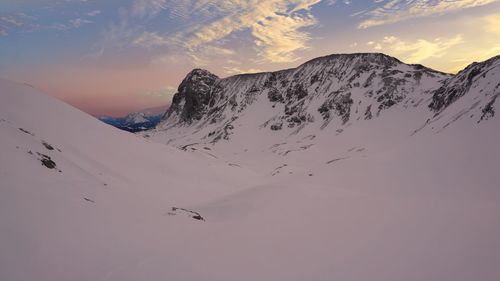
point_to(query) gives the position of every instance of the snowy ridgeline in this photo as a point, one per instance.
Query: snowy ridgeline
(136, 121)
(331, 94)
(320, 173)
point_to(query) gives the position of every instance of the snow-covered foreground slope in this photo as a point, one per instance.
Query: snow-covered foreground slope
(391, 198)
(108, 194)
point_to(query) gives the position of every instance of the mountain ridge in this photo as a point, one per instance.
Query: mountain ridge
(369, 101)
(206, 96)
(332, 89)
(136, 121)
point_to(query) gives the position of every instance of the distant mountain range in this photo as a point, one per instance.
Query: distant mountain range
(137, 121)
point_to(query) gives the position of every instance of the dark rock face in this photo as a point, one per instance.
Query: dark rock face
(47, 161)
(456, 87)
(368, 112)
(193, 96)
(277, 126)
(338, 103)
(190, 213)
(274, 95)
(26, 131)
(489, 111)
(389, 95)
(47, 145)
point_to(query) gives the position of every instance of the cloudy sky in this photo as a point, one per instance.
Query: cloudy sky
(114, 56)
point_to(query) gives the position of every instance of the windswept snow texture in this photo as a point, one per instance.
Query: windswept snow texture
(403, 191)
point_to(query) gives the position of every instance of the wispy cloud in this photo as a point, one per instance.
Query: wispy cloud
(76, 23)
(70, 24)
(333, 2)
(21, 22)
(143, 8)
(279, 38)
(167, 91)
(236, 70)
(416, 51)
(204, 56)
(151, 39)
(491, 23)
(93, 13)
(15, 22)
(11, 20)
(398, 10)
(117, 35)
(275, 25)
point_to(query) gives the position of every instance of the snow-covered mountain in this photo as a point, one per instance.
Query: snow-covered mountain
(387, 178)
(135, 118)
(136, 121)
(334, 91)
(323, 99)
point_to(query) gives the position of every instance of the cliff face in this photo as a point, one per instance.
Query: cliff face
(190, 102)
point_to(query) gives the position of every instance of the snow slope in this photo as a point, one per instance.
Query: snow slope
(110, 190)
(390, 198)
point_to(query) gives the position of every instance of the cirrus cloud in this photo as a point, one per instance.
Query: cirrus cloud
(275, 25)
(398, 10)
(142, 8)
(416, 51)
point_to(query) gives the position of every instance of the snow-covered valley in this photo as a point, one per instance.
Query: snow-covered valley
(279, 176)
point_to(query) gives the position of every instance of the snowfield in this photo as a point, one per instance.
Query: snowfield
(409, 195)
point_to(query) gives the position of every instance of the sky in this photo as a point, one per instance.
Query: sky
(111, 57)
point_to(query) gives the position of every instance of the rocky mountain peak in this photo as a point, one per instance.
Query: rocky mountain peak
(192, 96)
(197, 79)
